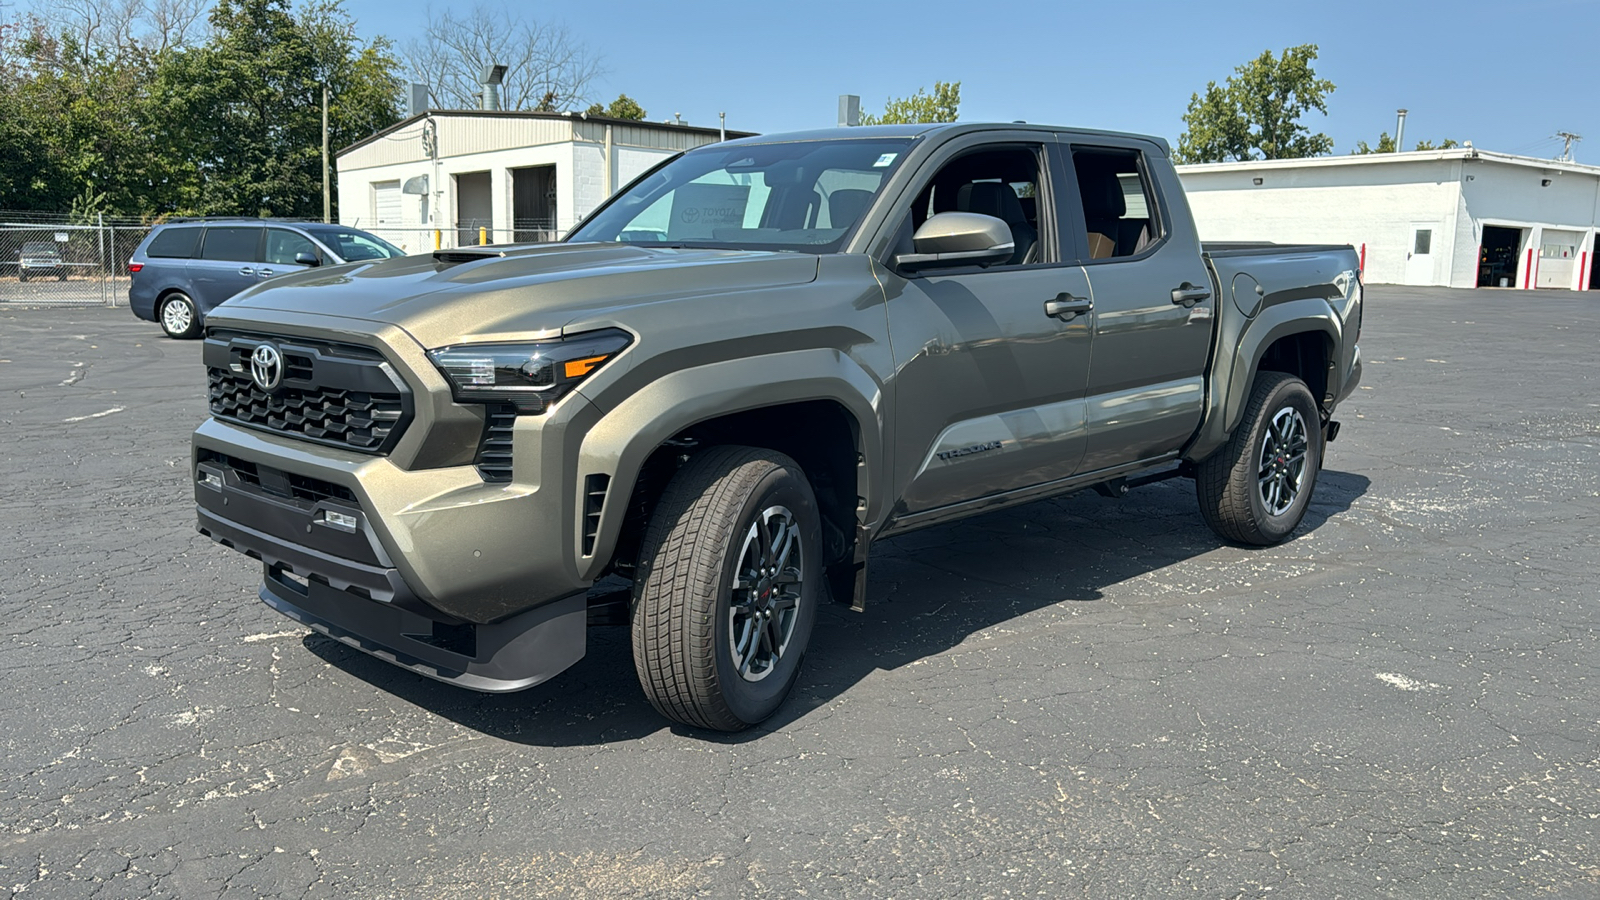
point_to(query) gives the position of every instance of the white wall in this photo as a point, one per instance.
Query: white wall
(1327, 205)
(580, 186)
(1513, 196)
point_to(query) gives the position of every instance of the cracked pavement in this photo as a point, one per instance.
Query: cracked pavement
(1079, 697)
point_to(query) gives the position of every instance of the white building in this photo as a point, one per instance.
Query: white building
(518, 176)
(1458, 218)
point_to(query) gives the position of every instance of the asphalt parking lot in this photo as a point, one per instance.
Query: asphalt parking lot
(1081, 697)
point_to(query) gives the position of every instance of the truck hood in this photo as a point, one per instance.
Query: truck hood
(527, 292)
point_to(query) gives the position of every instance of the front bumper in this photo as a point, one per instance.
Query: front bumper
(433, 570)
(347, 588)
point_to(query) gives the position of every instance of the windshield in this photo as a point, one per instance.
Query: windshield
(353, 246)
(800, 196)
(39, 248)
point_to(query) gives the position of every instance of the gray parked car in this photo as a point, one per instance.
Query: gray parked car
(41, 259)
(184, 269)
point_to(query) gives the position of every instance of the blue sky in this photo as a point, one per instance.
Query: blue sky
(1505, 75)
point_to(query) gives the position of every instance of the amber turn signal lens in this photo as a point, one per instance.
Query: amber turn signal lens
(580, 367)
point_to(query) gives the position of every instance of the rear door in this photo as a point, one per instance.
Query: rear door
(1153, 303)
(226, 263)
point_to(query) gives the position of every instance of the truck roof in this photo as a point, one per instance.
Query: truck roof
(915, 130)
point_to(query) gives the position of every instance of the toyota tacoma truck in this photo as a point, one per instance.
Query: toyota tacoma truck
(735, 376)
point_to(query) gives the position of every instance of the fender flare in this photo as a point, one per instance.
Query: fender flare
(620, 442)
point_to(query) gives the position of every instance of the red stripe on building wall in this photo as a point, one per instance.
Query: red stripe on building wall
(1583, 271)
(1527, 273)
(1363, 270)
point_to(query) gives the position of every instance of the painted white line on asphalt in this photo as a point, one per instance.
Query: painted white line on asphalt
(76, 376)
(277, 635)
(1406, 684)
(114, 409)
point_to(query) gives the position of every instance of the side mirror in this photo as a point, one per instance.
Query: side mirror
(307, 259)
(958, 239)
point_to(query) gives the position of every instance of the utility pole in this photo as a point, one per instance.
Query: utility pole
(1570, 138)
(327, 195)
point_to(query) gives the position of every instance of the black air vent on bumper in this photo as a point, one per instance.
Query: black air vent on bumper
(594, 500)
(494, 450)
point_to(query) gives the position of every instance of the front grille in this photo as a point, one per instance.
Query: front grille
(340, 395)
(494, 449)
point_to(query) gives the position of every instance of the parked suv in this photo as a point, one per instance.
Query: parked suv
(40, 259)
(184, 269)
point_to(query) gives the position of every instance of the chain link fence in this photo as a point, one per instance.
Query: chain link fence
(51, 260)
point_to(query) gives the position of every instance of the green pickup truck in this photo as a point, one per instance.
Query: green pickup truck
(753, 362)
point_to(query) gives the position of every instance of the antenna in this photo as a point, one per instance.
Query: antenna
(1570, 138)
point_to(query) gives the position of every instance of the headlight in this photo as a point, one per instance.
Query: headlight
(533, 375)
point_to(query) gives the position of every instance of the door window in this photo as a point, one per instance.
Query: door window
(1118, 205)
(231, 244)
(1003, 182)
(283, 245)
(1424, 242)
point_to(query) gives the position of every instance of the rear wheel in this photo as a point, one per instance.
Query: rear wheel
(1255, 490)
(727, 593)
(179, 319)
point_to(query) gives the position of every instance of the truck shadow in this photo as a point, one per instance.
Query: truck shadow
(929, 591)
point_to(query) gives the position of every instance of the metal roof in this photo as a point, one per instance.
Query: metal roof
(534, 114)
(1470, 154)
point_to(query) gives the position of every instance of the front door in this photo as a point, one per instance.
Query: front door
(989, 386)
(1419, 259)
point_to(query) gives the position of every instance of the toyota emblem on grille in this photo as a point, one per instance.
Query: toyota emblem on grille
(266, 367)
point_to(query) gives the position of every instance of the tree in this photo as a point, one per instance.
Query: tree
(1386, 145)
(624, 107)
(546, 67)
(941, 106)
(1255, 113)
(245, 116)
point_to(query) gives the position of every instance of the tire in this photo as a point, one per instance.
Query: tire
(697, 644)
(22, 278)
(1255, 490)
(178, 317)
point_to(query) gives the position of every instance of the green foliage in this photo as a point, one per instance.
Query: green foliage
(1256, 113)
(942, 105)
(230, 126)
(1386, 145)
(624, 107)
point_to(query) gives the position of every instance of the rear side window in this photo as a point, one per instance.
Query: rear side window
(174, 243)
(1117, 208)
(231, 244)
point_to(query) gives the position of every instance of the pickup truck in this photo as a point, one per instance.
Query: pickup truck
(737, 374)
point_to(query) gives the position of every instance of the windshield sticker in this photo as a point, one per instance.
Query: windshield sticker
(884, 160)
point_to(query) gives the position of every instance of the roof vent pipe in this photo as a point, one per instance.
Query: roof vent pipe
(492, 76)
(1400, 131)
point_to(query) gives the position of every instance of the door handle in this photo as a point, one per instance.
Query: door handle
(1187, 295)
(264, 273)
(247, 271)
(1067, 307)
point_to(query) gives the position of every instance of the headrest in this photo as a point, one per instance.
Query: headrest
(846, 205)
(991, 198)
(1102, 195)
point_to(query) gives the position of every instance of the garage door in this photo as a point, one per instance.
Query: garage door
(386, 211)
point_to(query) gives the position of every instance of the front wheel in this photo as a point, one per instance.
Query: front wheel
(1255, 489)
(729, 582)
(179, 318)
